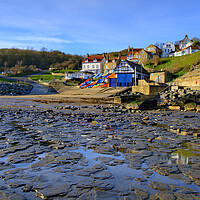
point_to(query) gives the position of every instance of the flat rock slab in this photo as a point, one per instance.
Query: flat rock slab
(158, 186)
(47, 193)
(86, 172)
(102, 175)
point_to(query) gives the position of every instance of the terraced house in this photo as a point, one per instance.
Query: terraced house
(132, 54)
(110, 64)
(154, 50)
(143, 56)
(93, 64)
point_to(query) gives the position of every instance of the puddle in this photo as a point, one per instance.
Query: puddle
(23, 165)
(121, 171)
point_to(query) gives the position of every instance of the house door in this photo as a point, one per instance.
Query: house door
(160, 79)
(112, 82)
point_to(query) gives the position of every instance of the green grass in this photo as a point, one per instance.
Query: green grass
(44, 78)
(177, 65)
(64, 70)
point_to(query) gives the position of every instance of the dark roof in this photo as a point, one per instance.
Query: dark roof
(138, 67)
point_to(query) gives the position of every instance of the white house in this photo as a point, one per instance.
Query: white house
(185, 47)
(186, 42)
(93, 64)
(186, 50)
(167, 49)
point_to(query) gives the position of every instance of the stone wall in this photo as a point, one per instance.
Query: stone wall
(148, 89)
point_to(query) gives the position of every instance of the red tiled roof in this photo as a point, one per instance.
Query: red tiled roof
(91, 59)
(123, 57)
(185, 48)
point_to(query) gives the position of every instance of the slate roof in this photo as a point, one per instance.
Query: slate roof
(138, 67)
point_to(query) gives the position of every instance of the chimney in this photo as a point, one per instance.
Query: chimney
(186, 36)
(104, 54)
(87, 55)
(107, 56)
(129, 48)
(119, 56)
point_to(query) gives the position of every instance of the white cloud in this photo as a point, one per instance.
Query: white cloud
(42, 39)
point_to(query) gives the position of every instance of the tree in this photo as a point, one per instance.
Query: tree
(156, 60)
(157, 44)
(196, 43)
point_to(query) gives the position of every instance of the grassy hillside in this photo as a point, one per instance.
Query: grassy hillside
(177, 65)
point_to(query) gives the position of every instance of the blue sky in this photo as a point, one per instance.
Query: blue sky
(95, 26)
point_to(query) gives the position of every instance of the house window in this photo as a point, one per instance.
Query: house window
(113, 66)
(86, 60)
(97, 66)
(95, 60)
(88, 66)
(106, 67)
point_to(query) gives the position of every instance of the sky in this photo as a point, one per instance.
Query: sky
(95, 26)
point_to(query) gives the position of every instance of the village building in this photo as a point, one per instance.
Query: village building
(143, 56)
(167, 49)
(110, 65)
(93, 64)
(160, 77)
(154, 50)
(131, 54)
(186, 50)
(127, 74)
(186, 42)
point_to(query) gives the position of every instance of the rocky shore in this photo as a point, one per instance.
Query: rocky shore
(7, 88)
(185, 99)
(57, 151)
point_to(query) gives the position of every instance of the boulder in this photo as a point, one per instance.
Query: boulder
(190, 106)
(198, 108)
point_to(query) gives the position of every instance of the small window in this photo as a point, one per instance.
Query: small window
(93, 66)
(88, 66)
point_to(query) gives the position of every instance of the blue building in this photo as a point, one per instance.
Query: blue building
(127, 74)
